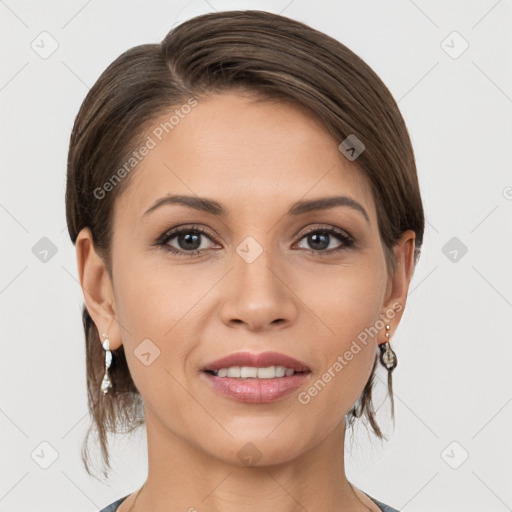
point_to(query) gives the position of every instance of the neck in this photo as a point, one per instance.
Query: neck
(182, 476)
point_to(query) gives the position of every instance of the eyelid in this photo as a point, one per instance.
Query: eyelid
(320, 227)
(345, 238)
(176, 230)
(198, 227)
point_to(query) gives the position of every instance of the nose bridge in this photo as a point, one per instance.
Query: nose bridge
(254, 266)
(257, 295)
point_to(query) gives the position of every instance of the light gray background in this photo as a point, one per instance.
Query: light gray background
(453, 385)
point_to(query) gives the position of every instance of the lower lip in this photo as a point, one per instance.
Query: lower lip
(256, 391)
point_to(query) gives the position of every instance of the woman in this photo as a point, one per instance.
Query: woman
(247, 218)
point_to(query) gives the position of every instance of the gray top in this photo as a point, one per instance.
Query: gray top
(385, 508)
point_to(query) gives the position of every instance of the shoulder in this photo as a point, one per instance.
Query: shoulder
(382, 506)
(113, 506)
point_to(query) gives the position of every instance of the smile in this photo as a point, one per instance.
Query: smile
(248, 372)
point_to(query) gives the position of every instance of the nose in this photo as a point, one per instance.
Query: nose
(258, 295)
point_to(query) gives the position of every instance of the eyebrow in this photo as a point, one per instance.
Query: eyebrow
(298, 208)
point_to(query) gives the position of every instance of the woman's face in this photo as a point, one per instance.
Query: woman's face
(259, 282)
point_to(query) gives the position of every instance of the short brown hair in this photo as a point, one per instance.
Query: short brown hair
(264, 53)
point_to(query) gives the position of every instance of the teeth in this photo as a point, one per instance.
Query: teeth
(267, 373)
(281, 371)
(246, 372)
(234, 371)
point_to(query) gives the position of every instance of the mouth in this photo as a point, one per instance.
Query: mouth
(256, 378)
(268, 365)
(251, 372)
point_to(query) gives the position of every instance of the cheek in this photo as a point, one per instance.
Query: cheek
(153, 296)
(347, 309)
(345, 299)
(155, 306)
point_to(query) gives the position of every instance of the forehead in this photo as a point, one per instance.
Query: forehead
(238, 150)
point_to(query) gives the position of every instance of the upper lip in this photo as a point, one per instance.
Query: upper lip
(261, 360)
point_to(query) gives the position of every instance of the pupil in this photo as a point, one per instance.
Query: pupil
(190, 238)
(192, 241)
(320, 237)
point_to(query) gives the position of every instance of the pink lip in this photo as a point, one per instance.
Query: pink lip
(256, 391)
(262, 360)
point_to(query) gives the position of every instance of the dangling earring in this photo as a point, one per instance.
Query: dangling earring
(389, 360)
(106, 384)
(387, 357)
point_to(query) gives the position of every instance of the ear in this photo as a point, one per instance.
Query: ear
(97, 288)
(398, 283)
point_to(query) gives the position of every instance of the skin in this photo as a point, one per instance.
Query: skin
(256, 159)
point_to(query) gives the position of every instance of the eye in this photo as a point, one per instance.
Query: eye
(321, 239)
(187, 239)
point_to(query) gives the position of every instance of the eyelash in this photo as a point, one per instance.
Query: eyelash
(162, 242)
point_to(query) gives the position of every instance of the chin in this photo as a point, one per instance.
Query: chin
(258, 451)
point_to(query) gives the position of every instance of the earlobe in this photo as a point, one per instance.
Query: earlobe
(96, 287)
